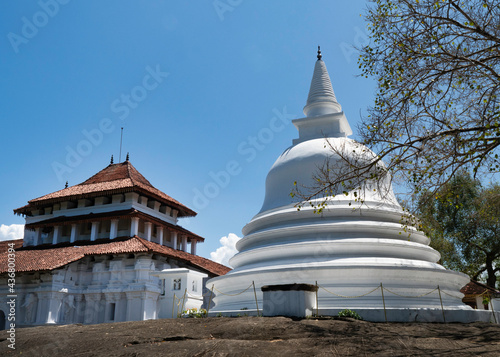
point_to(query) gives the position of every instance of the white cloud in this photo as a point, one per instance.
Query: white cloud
(14, 231)
(227, 250)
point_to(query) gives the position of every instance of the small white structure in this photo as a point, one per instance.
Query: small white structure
(173, 301)
(108, 249)
(478, 294)
(297, 300)
(351, 253)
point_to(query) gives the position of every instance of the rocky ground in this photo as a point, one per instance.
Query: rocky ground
(256, 336)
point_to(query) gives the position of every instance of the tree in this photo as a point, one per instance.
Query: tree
(463, 221)
(437, 108)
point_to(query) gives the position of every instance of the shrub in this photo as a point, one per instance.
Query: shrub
(350, 313)
(194, 313)
(486, 299)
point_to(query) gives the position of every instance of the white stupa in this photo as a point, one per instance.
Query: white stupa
(348, 252)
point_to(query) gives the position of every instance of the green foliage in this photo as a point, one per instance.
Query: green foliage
(463, 221)
(194, 313)
(437, 107)
(349, 313)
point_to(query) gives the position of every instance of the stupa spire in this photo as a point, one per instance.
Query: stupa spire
(321, 99)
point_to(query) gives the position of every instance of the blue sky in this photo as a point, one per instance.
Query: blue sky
(195, 85)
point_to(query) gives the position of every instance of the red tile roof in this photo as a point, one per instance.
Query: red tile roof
(4, 245)
(46, 258)
(206, 264)
(116, 178)
(477, 288)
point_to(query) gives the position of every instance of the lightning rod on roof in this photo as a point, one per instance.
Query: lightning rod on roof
(66, 185)
(121, 139)
(111, 162)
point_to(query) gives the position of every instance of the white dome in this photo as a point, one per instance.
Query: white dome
(300, 162)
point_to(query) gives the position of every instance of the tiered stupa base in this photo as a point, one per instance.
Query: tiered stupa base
(355, 281)
(350, 259)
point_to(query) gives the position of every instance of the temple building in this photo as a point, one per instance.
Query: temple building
(358, 256)
(108, 249)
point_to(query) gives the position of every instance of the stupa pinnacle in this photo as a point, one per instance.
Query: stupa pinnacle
(321, 99)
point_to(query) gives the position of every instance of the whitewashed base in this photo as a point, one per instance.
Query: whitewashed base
(394, 315)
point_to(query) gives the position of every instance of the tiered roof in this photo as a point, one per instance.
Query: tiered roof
(114, 179)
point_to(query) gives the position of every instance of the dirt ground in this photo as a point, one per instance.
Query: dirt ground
(256, 336)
